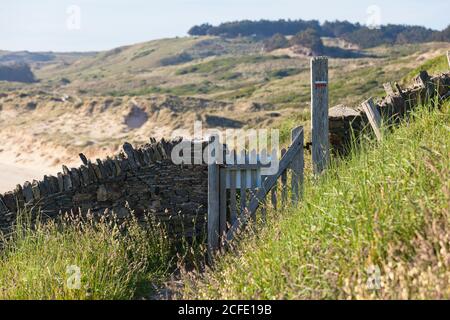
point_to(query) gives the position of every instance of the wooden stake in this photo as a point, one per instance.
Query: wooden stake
(213, 199)
(319, 113)
(374, 117)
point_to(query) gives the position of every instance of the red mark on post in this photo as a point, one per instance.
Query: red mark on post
(320, 84)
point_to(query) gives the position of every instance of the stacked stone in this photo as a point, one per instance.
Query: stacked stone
(346, 122)
(143, 180)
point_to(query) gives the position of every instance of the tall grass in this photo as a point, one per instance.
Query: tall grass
(432, 66)
(81, 258)
(375, 225)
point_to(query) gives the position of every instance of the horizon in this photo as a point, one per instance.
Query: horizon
(86, 26)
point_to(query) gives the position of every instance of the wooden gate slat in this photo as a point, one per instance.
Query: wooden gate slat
(374, 117)
(243, 191)
(266, 187)
(283, 183)
(253, 190)
(233, 210)
(297, 167)
(213, 202)
(223, 204)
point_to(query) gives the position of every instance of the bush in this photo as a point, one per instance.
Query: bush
(277, 41)
(309, 39)
(16, 71)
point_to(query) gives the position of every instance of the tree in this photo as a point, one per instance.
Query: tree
(443, 35)
(309, 38)
(201, 30)
(277, 41)
(16, 71)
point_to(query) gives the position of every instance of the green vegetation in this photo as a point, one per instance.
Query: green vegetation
(18, 72)
(432, 66)
(309, 38)
(142, 54)
(239, 93)
(283, 73)
(204, 87)
(277, 41)
(225, 64)
(386, 206)
(354, 32)
(41, 261)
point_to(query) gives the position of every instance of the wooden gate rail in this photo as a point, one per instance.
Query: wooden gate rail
(227, 182)
(293, 158)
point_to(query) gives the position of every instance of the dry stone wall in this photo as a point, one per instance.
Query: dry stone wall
(143, 180)
(346, 122)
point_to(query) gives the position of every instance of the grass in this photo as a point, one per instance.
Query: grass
(432, 66)
(183, 90)
(221, 65)
(42, 261)
(384, 210)
(283, 73)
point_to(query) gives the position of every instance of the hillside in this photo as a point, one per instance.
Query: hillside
(92, 102)
(382, 213)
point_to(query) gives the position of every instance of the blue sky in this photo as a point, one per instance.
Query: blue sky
(104, 24)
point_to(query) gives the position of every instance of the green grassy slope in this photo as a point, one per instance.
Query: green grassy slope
(385, 207)
(432, 66)
(226, 69)
(43, 262)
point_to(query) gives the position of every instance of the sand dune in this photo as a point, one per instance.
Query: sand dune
(13, 174)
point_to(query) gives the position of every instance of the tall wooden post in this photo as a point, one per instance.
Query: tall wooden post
(319, 113)
(213, 197)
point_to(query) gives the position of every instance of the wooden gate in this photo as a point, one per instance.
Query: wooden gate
(236, 190)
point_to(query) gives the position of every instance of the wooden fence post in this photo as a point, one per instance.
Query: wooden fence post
(297, 166)
(319, 113)
(213, 197)
(374, 117)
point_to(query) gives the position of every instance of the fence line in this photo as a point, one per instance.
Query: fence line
(227, 183)
(237, 191)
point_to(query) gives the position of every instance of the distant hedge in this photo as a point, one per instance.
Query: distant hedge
(354, 32)
(19, 72)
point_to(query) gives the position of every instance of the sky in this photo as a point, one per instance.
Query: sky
(93, 25)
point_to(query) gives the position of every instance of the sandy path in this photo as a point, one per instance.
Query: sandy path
(11, 175)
